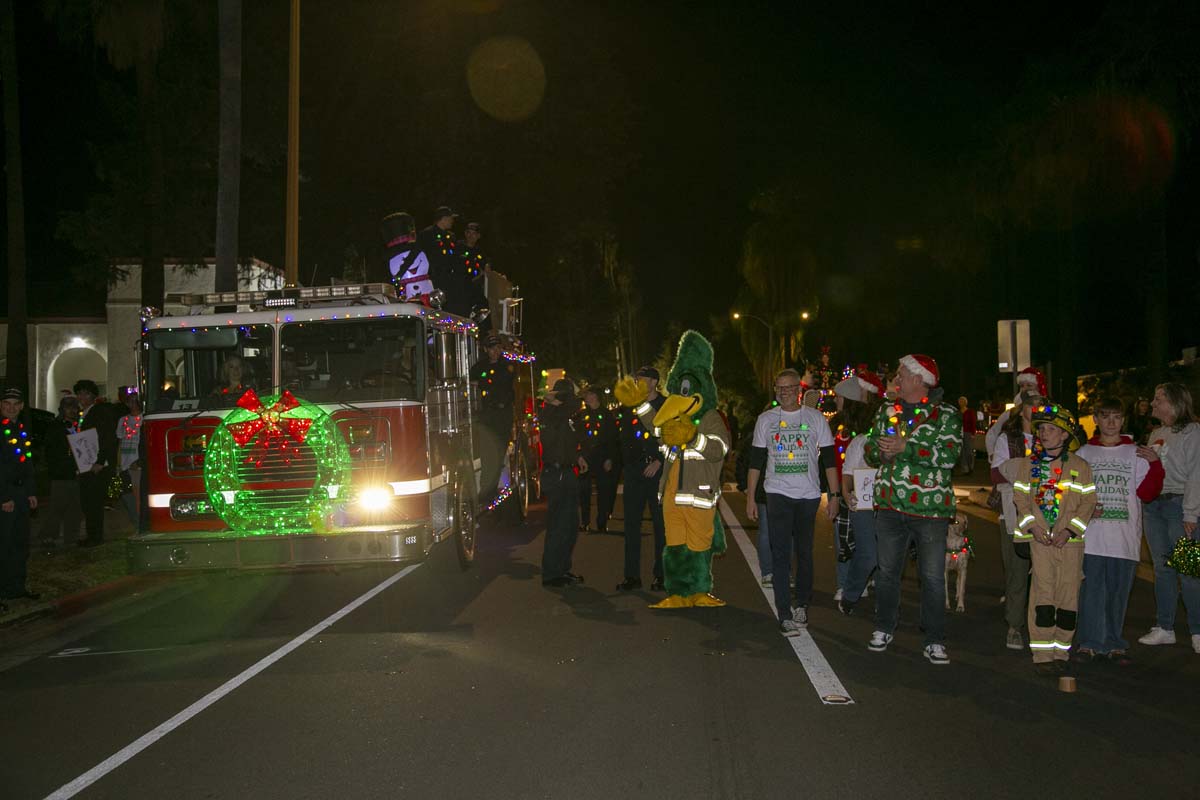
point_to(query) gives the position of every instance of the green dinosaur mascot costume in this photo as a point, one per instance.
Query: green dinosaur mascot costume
(696, 441)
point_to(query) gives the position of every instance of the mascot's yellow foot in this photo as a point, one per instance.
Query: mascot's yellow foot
(675, 601)
(706, 601)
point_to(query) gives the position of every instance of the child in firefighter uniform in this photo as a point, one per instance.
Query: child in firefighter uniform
(1054, 496)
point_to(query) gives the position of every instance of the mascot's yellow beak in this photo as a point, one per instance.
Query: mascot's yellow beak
(677, 406)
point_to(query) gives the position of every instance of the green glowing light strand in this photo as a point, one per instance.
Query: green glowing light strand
(278, 497)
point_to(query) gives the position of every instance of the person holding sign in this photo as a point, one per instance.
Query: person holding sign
(18, 497)
(94, 466)
(1126, 475)
(790, 444)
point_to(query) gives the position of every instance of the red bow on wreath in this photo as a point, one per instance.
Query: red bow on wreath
(271, 428)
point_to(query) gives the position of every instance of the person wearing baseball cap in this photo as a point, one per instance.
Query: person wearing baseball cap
(914, 442)
(642, 462)
(560, 460)
(440, 247)
(18, 496)
(493, 377)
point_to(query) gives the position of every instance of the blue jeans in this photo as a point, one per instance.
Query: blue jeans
(1103, 598)
(865, 558)
(1163, 521)
(791, 525)
(893, 531)
(764, 541)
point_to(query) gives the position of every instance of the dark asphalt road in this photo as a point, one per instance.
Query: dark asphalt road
(484, 684)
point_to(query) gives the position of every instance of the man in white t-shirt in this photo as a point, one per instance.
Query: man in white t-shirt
(1125, 476)
(791, 443)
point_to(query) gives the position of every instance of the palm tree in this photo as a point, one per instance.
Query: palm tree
(18, 336)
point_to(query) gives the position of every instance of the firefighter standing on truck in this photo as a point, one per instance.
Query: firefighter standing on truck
(493, 374)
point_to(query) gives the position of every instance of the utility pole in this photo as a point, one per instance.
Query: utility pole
(292, 245)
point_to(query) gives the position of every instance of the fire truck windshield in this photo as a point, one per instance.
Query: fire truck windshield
(201, 368)
(358, 360)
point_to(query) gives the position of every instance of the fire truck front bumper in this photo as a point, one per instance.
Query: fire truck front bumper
(179, 552)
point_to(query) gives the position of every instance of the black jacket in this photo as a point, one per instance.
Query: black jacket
(16, 465)
(599, 435)
(495, 381)
(60, 464)
(639, 446)
(560, 440)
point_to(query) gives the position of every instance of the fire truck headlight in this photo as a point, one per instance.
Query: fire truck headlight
(375, 498)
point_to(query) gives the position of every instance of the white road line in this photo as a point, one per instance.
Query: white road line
(129, 751)
(824, 680)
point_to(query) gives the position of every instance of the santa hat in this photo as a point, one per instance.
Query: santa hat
(1032, 376)
(871, 383)
(922, 365)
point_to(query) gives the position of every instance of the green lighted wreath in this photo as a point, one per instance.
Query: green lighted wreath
(276, 465)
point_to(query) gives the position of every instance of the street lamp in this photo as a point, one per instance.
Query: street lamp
(737, 315)
(804, 315)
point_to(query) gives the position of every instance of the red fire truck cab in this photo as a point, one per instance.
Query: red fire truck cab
(354, 439)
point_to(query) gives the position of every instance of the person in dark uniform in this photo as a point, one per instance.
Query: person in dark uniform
(643, 462)
(469, 278)
(493, 375)
(93, 485)
(18, 497)
(560, 459)
(602, 452)
(59, 526)
(439, 245)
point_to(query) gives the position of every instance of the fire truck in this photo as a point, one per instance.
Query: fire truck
(318, 426)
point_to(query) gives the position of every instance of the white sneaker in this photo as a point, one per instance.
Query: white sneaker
(936, 654)
(766, 582)
(789, 628)
(837, 596)
(1196, 642)
(879, 641)
(800, 616)
(1159, 636)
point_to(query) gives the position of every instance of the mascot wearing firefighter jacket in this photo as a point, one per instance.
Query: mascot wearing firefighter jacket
(695, 442)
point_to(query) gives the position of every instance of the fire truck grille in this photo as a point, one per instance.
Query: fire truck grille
(278, 482)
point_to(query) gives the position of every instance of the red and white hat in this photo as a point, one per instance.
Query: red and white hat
(871, 383)
(1033, 377)
(922, 365)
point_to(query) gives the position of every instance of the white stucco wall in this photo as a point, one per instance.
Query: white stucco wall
(115, 341)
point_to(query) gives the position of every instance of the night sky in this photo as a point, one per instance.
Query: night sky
(662, 120)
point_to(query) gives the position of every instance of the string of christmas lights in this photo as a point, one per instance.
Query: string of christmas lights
(16, 437)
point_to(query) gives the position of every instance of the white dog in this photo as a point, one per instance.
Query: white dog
(957, 557)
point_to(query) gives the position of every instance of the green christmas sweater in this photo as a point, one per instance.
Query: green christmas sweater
(919, 481)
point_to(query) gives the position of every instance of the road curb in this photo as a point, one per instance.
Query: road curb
(78, 602)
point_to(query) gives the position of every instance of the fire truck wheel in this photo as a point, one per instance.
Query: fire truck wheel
(519, 501)
(466, 526)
